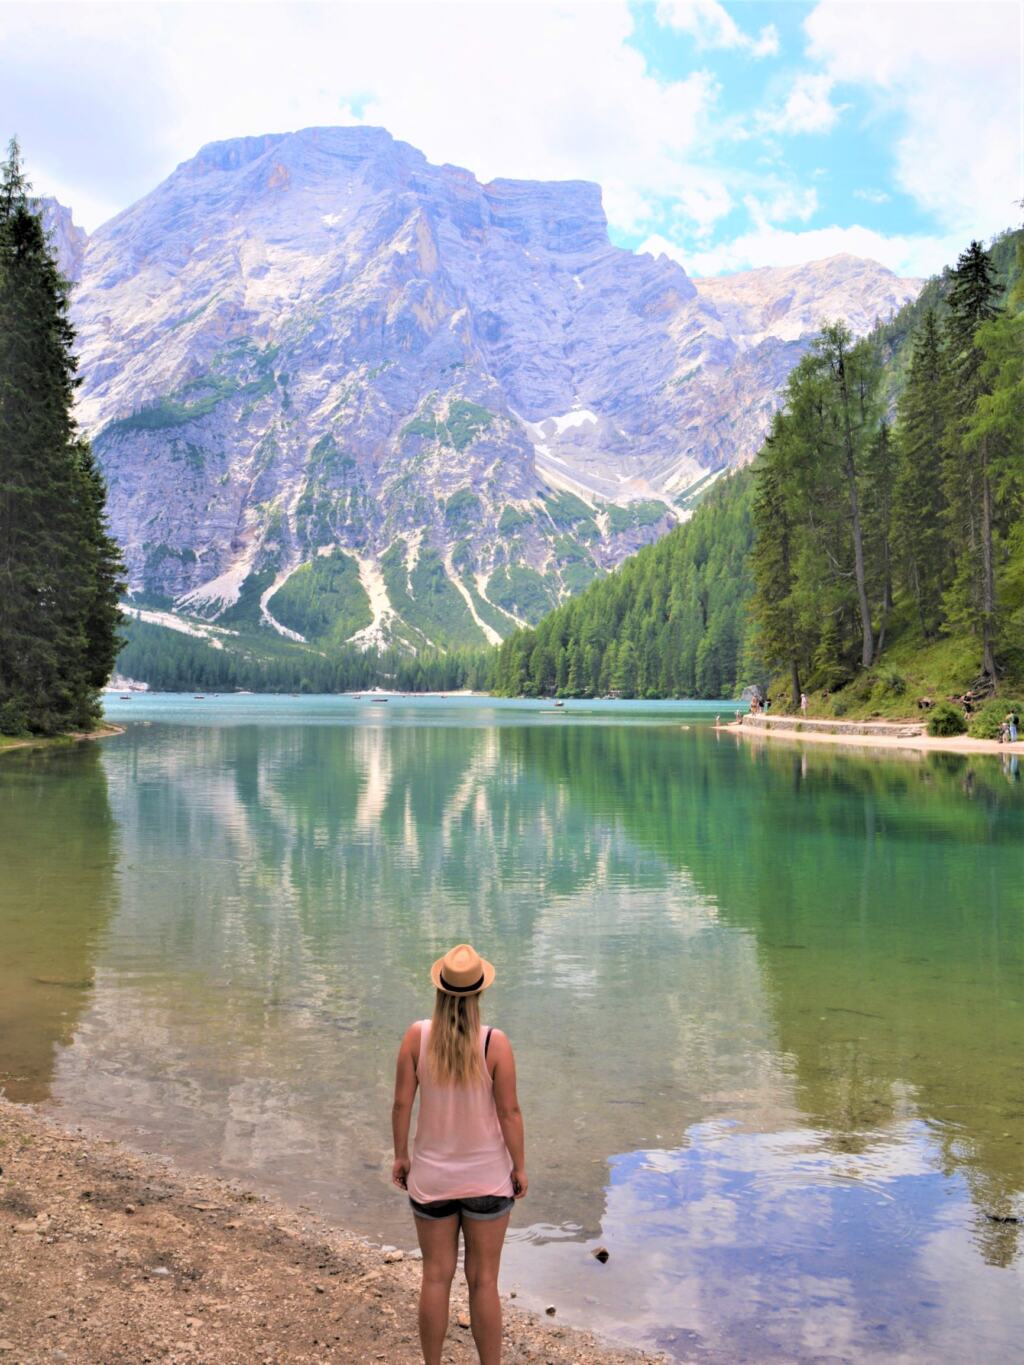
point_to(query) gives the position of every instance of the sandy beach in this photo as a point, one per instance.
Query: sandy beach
(850, 735)
(112, 1256)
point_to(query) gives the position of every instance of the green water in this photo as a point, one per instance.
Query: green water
(768, 1004)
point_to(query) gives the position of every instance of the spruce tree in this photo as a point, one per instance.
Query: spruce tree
(919, 513)
(59, 571)
(971, 599)
(772, 561)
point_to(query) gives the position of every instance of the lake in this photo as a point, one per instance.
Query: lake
(767, 1001)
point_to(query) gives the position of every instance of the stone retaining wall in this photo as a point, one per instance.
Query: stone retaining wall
(833, 727)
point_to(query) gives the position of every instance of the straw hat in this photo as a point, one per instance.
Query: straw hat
(462, 971)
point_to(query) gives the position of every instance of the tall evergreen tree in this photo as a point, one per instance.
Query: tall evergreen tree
(854, 373)
(919, 512)
(59, 571)
(971, 599)
(879, 480)
(772, 560)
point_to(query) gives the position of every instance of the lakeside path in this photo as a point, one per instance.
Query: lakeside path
(8, 744)
(907, 735)
(112, 1256)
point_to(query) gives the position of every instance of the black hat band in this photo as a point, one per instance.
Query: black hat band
(460, 990)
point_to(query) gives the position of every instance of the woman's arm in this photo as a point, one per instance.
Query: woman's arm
(509, 1114)
(401, 1111)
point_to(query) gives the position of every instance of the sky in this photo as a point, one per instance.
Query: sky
(727, 135)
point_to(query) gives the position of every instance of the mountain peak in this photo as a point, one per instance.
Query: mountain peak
(66, 237)
(792, 301)
(317, 366)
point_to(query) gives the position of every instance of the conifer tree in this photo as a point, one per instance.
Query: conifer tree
(919, 512)
(59, 571)
(772, 563)
(971, 599)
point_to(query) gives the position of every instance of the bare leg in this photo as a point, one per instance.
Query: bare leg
(484, 1241)
(439, 1242)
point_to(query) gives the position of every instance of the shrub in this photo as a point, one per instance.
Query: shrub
(944, 720)
(890, 683)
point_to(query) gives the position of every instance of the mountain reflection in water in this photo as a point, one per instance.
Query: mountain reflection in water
(767, 1003)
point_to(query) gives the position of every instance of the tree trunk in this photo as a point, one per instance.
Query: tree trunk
(867, 649)
(988, 588)
(794, 675)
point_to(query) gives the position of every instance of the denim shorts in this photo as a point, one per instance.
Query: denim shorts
(481, 1208)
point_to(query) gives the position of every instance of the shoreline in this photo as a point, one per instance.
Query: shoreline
(114, 1256)
(845, 734)
(105, 730)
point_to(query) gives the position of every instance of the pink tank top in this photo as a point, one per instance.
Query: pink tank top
(458, 1151)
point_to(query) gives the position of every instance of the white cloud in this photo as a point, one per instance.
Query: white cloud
(872, 196)
(713, 26)
(951, 74)
(783, 205)
(539, 91)
(808, 107)
(907, 255)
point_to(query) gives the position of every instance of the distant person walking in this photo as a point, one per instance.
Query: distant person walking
(803, 703)
(468, 1161)
(1013, 722)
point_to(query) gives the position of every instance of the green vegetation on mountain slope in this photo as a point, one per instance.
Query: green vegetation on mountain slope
(59, 569)
(873, 553)
(324, 600)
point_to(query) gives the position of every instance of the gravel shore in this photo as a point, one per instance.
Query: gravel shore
(111, 1256)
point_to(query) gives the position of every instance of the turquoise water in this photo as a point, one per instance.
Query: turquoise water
(767, 1002)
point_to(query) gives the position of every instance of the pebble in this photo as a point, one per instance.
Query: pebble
(551, 1310)
(601, 1254)
(129, 1208)
(390, 1257)
(159, 1270)
(463, 1319)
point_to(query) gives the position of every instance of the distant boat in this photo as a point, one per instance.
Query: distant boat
(379, 701)
(559, 703)
(199, 697)
(125, 696)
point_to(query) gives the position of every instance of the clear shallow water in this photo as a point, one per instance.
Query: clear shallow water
(768, 1003)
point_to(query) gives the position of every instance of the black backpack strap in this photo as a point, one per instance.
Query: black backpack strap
(487, 1040)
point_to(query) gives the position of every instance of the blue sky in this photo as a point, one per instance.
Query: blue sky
(727, 135)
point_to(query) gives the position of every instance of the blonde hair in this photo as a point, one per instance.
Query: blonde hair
(453, 1052)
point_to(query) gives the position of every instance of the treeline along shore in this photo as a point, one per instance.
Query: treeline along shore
(873, 554)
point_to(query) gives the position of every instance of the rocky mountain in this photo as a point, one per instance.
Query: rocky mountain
(66, 237)
(347, 394)
(788, 302)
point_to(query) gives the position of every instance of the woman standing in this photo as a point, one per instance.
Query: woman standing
(468, 1163)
